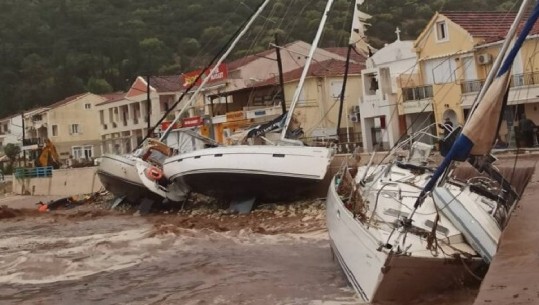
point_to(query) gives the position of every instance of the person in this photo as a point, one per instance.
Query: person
(448, 126)
(527, 130)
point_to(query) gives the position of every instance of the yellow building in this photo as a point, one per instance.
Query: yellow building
(71, 124)
(456, 51)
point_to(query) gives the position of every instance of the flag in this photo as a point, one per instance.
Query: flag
(479, 133)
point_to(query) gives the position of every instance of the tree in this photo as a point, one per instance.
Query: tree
(12, 151)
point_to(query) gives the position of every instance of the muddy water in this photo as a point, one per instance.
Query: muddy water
(100, 259)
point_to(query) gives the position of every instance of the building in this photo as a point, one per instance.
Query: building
(126, 118)
(71, 125)
(456, 51)
(11, 130)
(381, 121)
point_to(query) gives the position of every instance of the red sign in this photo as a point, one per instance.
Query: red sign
(221, 73)
(192, 121)
(165, 125)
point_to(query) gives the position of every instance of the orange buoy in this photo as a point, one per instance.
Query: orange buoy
(154, 173)
(43, 208)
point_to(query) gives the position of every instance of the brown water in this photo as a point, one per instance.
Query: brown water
(91, 258)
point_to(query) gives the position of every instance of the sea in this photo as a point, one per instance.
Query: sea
(280, 255)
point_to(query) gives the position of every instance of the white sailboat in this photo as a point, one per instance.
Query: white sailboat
(277, 171)
(135, 176)
(406, 228)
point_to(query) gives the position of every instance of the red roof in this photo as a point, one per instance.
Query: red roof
(169, 83)
(112, 97)
(330, 67)
(66, 100)
(491, 26)
(343, 52)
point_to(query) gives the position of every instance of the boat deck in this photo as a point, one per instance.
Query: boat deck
(513, 277)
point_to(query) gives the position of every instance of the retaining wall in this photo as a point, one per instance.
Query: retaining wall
(63, 182)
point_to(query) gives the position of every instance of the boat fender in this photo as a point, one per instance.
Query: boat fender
(154, 173)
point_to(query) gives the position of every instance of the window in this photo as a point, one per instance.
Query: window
(54, 130)
(441, 31)
(82, 152)
(87, 106)
(74, 129)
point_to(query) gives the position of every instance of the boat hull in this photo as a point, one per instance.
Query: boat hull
(118, 174)
(378, 275)
(269, 173)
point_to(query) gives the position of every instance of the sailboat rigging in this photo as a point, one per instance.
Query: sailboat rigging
(127, 176)
(264, 172)
(402, 229)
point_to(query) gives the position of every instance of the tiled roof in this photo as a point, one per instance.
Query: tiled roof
(331, 67)
(66, 100)
(169, 83)
(343, 51)
(112, 97)
(491, 26)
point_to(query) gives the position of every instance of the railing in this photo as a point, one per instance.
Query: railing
(346, 144)
(525, 79)
(517, 80)
(417, 93)
(36, 172)
(34, 141)
(471, 86)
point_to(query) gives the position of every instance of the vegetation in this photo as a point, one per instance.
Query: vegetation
(51, 49)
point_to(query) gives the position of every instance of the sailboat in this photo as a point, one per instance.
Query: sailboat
(283, 170)
(409, 227)
(139, 175)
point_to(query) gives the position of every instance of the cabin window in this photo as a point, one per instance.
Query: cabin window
(441, 31)
(54, 130)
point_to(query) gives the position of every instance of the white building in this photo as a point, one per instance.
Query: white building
(379, 103)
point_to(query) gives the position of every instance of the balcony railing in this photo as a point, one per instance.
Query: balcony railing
(417, 93)
(34, 141)
(517, 80)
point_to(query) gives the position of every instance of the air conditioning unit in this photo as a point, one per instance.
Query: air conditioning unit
(484, 59)
(354, 117)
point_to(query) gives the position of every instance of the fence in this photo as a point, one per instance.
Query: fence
(36, 172)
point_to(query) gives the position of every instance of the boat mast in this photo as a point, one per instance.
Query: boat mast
(207, 78)
(281, 77)
(304, 75)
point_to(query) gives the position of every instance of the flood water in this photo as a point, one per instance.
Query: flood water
(115, 259)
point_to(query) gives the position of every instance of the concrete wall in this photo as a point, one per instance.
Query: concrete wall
(64, 182)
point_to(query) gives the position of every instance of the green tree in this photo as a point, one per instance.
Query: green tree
(12, 151)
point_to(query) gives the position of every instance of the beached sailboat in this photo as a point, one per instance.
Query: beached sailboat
(408, 227)
(282, 170)
(140, 174)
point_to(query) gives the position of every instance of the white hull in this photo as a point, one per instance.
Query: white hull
(262, 171)
(381, 263)
(124, 176)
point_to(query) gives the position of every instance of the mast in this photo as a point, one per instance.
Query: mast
(304, 75)
(280, 67)
(232, 45)
(343, 90)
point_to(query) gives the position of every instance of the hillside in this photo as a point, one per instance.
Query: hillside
(55, 48)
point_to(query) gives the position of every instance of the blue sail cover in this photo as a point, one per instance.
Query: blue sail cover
(480, 131)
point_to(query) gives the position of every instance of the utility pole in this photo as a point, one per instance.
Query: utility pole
(343, 91)
(23, 138)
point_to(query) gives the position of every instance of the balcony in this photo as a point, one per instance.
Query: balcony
(524, 89)
(417, 93)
